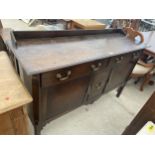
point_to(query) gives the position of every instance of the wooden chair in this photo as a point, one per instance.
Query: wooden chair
(120, 23)
(145, 71)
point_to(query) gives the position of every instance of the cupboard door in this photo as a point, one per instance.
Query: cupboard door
(121, 68)
(97, 84)
(64, 97)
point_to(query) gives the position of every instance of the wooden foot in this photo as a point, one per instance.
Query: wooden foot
(119, 91)
(37, 130)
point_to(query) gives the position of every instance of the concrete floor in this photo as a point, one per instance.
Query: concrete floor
(108, 115)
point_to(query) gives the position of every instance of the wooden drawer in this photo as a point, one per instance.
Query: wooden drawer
(70, 73)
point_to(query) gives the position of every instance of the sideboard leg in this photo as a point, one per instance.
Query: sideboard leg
(37, 130)
(119, 91)
(36, 90)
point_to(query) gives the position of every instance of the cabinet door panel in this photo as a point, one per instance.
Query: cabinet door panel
(121, 67)
(67, 96)
(97, 84)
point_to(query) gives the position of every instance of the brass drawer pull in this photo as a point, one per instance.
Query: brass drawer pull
(96, 67)
(61, 78)
(118, 60)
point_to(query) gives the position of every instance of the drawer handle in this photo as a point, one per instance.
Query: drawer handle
(96, 67)
(118, 60)
(61, 78)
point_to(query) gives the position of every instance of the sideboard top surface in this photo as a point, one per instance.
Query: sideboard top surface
(38, 55)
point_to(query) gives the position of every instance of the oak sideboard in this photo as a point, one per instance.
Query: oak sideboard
(66, 69)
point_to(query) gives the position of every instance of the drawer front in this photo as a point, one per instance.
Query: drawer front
(127, 58)
(70, 73)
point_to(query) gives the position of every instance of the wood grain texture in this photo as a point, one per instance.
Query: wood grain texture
(1, 26)
(42, 55)
(88, 24)
(14, 122)
(12, 92)
(85, 56)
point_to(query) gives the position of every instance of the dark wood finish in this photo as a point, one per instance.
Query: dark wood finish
(2, 45)
(65, 33)
(64, 97)
(59, 85)
(98, 81)
(1, 26)
(122, 67)
(70, 73)
(53, 97)
(147, 113)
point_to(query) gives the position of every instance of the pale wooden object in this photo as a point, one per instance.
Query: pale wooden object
(14, 122)
(13, 97)
(131, 33)
(12, 92)
(87, 24)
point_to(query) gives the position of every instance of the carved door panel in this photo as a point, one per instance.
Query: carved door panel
(98, 84)
(65, 97)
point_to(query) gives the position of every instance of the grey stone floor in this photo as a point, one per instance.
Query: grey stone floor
(108, 115)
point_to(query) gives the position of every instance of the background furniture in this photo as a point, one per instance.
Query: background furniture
(1, 26)
(66, 69)
(86, 24)
(13, 98)
(143, 70)
(147, 113)
(147, 25)
(2, 45)
(121, 23)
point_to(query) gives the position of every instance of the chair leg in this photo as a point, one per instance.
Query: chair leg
(145, 81)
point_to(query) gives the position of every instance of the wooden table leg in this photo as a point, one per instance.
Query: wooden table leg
(14, 122)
